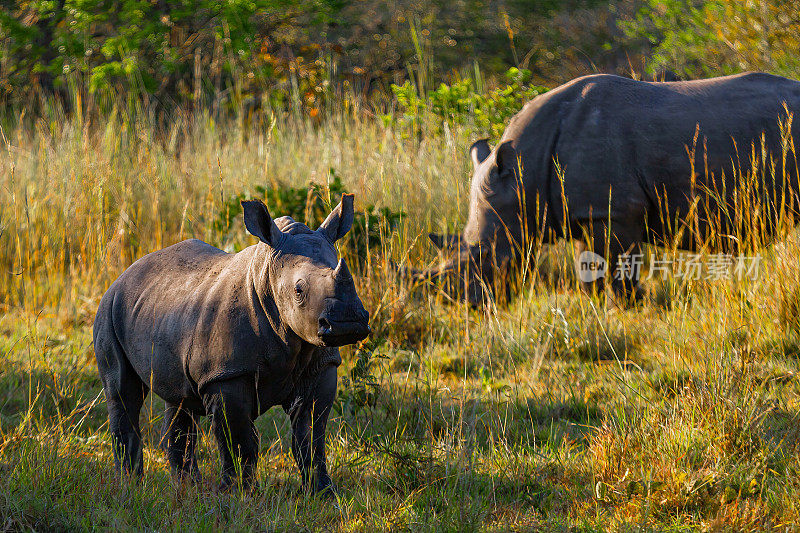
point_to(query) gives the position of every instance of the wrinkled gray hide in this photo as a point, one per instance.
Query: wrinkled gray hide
(621, 146)
(229, 336)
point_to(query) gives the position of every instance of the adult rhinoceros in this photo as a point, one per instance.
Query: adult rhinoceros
(660, 162)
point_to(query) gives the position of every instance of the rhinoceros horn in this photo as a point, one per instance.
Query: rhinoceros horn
(413, 274)
(445, 242)
(341, 273)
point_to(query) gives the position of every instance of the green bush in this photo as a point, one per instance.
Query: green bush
(311, 205)
(461, 103)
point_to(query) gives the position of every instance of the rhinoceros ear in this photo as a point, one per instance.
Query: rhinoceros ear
(507, 161)
(479, 151)
(259, 223)
(340, 220)
(444, 242)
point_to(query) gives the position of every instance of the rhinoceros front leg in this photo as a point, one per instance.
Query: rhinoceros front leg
(231, 405)
(590, 282)
(180, 440)
(309, 420)
(623, 261)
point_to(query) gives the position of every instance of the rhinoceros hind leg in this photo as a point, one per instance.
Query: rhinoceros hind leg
(180, 440)
(231, 405)
(125, 394)
(123, 419)
(124, 391)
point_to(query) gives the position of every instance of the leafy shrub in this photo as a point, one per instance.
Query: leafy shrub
(461, 103)
(311, 205)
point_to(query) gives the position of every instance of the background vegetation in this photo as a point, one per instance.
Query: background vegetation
(127, 126)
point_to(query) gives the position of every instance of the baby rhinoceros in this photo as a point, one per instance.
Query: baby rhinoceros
(229, 336)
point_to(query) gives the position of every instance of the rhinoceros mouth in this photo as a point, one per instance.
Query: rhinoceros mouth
(343, 333)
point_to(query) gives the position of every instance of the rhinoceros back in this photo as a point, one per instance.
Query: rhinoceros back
(635, 138)
(170, 305)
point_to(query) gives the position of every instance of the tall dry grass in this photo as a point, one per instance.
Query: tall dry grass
(556, 411)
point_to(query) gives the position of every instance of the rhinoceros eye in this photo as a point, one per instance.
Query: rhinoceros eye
(300, 290)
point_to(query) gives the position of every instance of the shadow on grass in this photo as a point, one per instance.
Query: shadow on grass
(428, 415)
(58, 472)
(418, 458)
(74, 492)
(51, 394)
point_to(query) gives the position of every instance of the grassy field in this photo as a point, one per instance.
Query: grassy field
(557, 412)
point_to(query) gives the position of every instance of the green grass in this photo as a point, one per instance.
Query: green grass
(557, 412)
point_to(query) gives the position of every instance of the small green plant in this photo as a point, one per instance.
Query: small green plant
(361, 388)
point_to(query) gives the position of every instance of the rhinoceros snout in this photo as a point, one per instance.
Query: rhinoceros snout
(347, 330)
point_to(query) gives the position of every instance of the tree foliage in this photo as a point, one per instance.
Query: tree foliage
(178, 49)
(293, 51)
(699, 38)
(297, 53)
